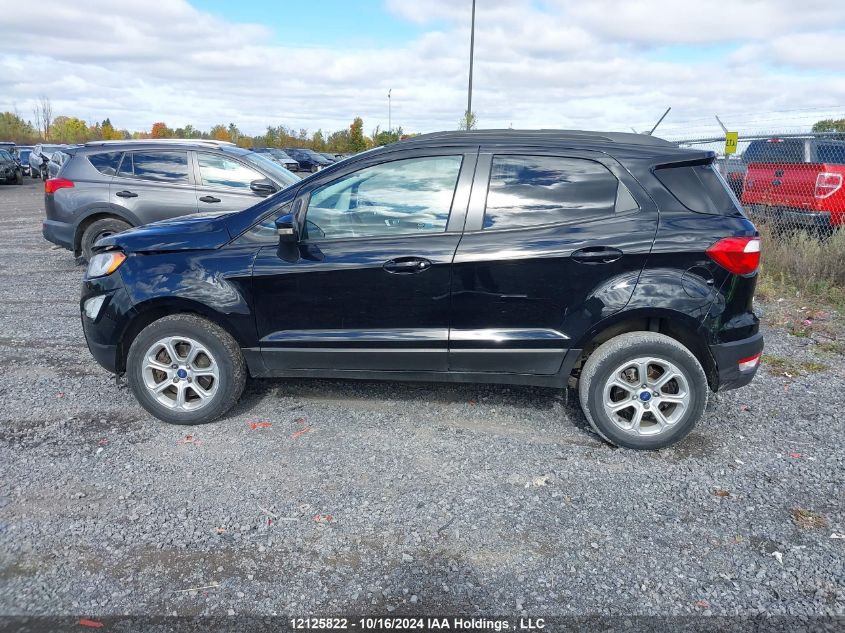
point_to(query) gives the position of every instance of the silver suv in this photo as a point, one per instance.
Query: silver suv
(109, 186)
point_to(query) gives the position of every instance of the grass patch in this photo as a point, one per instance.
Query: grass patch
(789, 367)
(808, 519)
(832, 347)
(802, 266)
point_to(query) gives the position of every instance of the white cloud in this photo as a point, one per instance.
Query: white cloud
(558, 63)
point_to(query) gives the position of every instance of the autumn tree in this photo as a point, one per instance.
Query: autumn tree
(220, 133)
(65, 129)
(160, 130)
(357, 142)
(14, 128)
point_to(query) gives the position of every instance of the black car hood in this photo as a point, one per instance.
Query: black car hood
(198, 231)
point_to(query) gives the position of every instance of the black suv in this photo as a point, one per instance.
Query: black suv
(109, 186)
(10, 168)
(617, 263)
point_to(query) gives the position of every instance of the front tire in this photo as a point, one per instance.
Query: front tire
(98, 229)
(642, 390)
(184, 369)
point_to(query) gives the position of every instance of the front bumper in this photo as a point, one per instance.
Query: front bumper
(728, 356)
(104, 332)
(60, 233)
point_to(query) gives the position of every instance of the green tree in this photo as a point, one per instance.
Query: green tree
(66, 129)
(385, 137)
(14, 128)
(829, 125)
(108, 132)
(468, 121)
(318, 142)
(357, 142)
(338, 142)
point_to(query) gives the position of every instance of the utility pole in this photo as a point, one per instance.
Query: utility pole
(471, 50)
(389, 116)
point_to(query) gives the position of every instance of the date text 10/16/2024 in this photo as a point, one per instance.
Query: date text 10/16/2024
(417, 624)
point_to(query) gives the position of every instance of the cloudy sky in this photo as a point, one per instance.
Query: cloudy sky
(586, 64)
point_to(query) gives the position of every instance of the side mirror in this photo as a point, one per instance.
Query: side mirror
(263, 187)
(287, 229)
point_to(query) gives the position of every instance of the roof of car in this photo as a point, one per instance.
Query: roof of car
(511, 135)
(161, 141)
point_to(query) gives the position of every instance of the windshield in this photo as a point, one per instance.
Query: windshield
(25, 154)
(279, 173)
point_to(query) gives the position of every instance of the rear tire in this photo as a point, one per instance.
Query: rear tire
(209, 357)
(19, 178)
(631, 412)
(98, 229)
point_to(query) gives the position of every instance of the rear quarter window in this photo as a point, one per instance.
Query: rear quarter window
(106, 163)
(699, 188)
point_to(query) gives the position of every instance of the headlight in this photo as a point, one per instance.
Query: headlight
(104, 264)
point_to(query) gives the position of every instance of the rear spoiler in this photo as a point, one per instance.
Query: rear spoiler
(686, 159)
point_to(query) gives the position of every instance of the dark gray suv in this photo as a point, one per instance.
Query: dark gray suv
(110, 186)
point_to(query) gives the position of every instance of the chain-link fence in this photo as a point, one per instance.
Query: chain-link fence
(791, 186)
(789, 182)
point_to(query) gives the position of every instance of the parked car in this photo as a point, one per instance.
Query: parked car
(796, 182)
(39, 157)
(279, 156)
(619, 263)
(109, 186)
(308, 160)
(10, 169)
(58, 159)
(329, 157)
(23, 158)
(734, 171)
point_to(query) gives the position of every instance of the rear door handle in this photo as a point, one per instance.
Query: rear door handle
(596, 255)
(209, 199)
(126, 194)
(406, 265)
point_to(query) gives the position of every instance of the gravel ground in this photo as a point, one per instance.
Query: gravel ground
(386, 498)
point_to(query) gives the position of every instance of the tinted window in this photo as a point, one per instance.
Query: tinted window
(106, 163)
(531, 190)
(219, 171)
(163, 166)
(780, 151)
(700, 188)
(5, 155)
(831, 153)
(396, 198)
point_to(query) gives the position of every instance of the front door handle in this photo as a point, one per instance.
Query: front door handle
(209, 199)
(596, 255)
(126, 194)
(407, 265)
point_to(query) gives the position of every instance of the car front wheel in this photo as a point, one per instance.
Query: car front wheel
(642, 390)
(184, 369)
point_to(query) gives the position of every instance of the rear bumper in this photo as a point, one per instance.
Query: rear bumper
(728, 356)
(60, 233)
(797, 218)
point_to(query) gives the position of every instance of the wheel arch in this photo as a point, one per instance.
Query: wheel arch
(99, 213)
(676, 325)
(155, 309)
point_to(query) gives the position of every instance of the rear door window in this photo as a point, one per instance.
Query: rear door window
(159, 166)
(106, 163)
(534, 190)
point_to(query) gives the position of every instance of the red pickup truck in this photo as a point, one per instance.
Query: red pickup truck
(796, 182)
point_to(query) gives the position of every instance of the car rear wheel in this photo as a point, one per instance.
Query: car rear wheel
(642, 390)
(97, 230)
(19, 178)
(184, 369)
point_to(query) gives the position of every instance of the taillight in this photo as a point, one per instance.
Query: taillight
(54, 184)
(827, 184)
(739, 255)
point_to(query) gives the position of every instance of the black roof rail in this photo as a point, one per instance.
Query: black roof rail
(508, 134)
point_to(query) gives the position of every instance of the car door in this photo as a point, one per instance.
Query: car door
(554, 242)
(154, 184)
(223, 183)
(367, 287)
